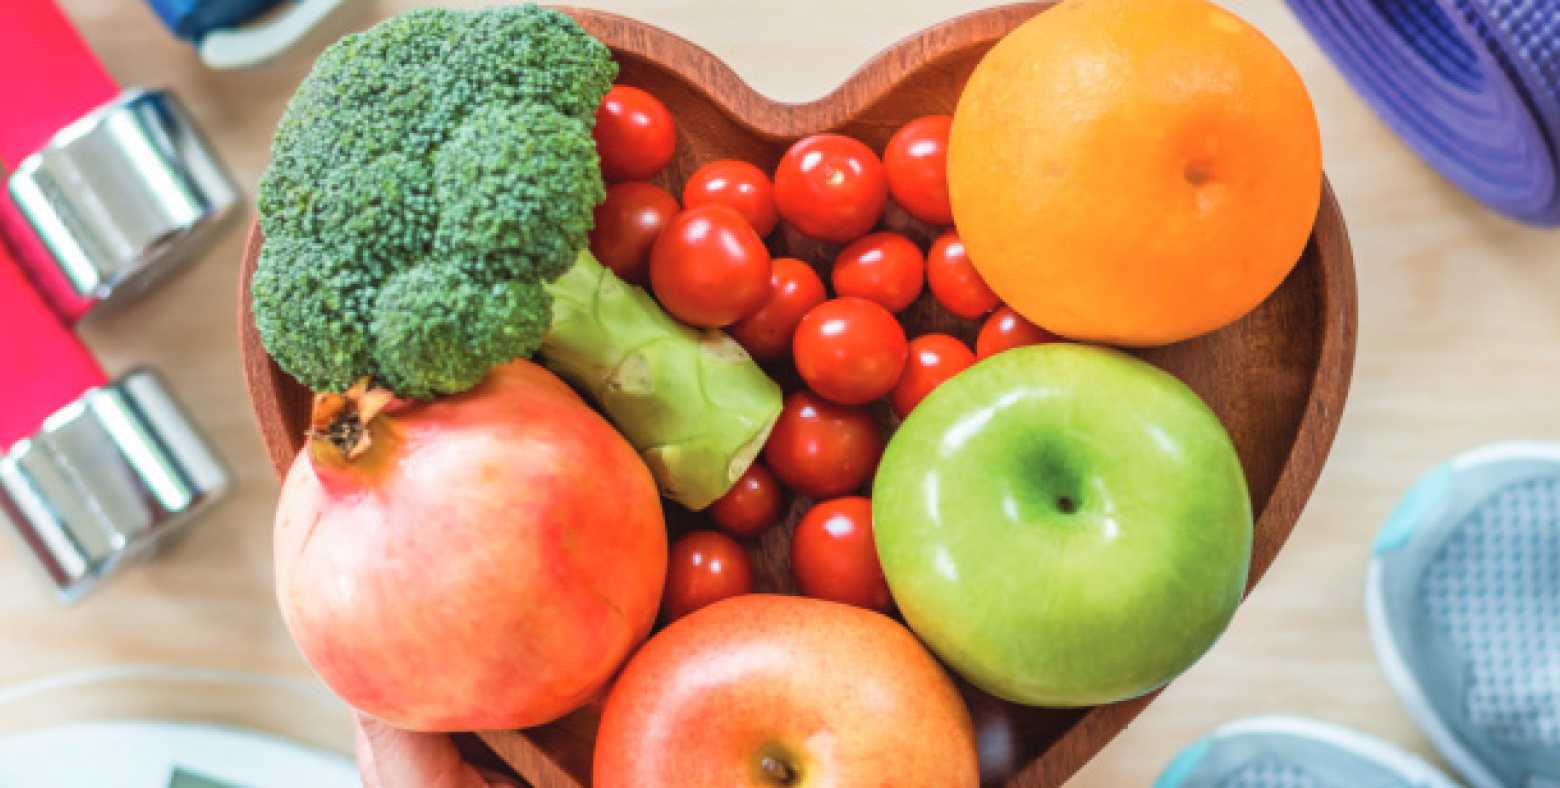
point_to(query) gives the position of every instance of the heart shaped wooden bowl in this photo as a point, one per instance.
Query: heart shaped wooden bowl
(1277, 378)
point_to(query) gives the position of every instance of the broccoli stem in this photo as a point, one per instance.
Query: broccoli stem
(693, 402)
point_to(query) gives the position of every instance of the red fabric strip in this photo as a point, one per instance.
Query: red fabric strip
(48, 77)
(42, 364)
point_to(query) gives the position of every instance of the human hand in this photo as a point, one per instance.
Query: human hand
(390, 758)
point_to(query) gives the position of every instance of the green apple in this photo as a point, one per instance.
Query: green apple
(1064, 525)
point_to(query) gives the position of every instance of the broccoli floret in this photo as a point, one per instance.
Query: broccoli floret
(449, 329)
(516, 186)
(299, 285)
(429, 179)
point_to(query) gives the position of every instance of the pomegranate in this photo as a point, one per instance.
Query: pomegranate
(483, 561)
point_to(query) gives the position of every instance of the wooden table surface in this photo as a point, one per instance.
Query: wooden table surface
(1458, 330)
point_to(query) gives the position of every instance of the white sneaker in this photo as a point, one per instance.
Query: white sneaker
(1290, 752)
(1463, 598)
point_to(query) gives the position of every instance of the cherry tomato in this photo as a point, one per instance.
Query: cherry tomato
(916, 161)
(627, 224)
(883, 267)
(751, 505)
(850, 350)
(1005, 330)
(635, 135)
(831, 187)
(794, 288)
(738, 184)
(933, 359)
(821, 449)
(833, 555)
(704, 567)
(953, 280)
(709, 268)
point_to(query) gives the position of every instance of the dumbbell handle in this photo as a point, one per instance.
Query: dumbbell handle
(48, 79)
(106, 190)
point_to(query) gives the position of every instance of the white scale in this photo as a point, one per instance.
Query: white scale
(146, 754)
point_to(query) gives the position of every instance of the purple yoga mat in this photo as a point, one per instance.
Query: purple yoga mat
(1473, 85)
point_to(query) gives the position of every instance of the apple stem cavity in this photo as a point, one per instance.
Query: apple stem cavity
(777, 771)
(1066, 505)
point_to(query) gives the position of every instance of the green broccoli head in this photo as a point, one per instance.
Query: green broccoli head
(428, 180)
(437, 321)
(517, 186)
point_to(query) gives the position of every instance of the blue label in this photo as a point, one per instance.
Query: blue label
(192, 19)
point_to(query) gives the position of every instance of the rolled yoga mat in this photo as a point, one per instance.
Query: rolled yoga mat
(1473, 85)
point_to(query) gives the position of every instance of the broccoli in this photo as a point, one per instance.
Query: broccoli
(428, 179)
(426, 212)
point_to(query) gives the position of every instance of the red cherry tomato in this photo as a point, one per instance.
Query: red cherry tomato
(738, 184)
(751, 505)
(1005, 330)
(850, 350)
(953, 280)
(704, 567)
(635, 135)
(916, 161)
(794, 288)
(627, 224)
(709, 268)
(821, 449)
(883, 267)
(831, 187)
(933, 359)
(833, 555)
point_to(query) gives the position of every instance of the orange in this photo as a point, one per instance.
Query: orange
(1135, 172)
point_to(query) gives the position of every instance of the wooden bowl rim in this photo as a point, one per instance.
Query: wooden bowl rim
(865, 87)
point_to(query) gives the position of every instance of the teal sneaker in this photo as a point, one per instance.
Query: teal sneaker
(1463, 598)
(1289, 752)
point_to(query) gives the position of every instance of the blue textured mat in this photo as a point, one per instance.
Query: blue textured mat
(1473, 85)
